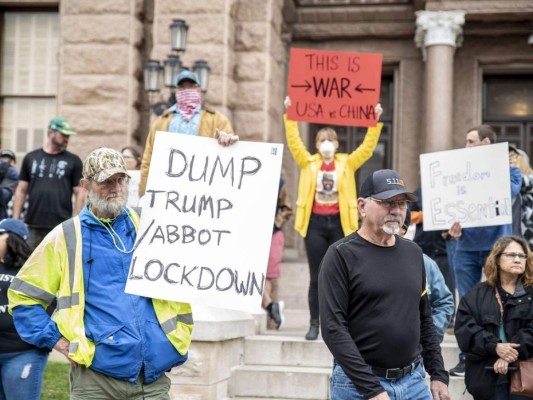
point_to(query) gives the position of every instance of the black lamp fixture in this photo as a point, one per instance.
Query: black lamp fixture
(155, 74)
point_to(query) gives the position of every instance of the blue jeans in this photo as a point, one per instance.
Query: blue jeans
(412, 386)
(451, 246)
(468, 266)
(21, 374)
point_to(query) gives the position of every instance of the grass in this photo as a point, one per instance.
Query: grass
(56, 381)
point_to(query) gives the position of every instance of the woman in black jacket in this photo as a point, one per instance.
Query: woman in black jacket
(489, 337)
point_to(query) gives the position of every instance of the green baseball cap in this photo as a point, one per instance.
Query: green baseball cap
(103, 163)
(61, 125)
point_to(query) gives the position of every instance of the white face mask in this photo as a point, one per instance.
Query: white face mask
(327, 148)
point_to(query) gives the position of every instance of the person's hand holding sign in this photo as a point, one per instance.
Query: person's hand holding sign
(379, 111)
(287, 102)
(225, 139)
(455, 230)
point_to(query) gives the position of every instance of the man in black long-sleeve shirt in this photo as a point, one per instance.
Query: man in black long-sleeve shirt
(374, 309)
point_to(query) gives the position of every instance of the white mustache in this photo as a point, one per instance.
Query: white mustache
(392, 218)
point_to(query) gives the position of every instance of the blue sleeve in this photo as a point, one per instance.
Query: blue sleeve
(5, 196)
(440, 297)
(8, 185)
(35, 326)
(516, 180)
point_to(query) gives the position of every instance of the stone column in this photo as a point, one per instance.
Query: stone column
(98, 63)
(438, 33)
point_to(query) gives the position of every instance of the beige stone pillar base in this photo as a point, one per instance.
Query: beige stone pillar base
(217, 347)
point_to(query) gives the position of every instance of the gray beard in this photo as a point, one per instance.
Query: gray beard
(106, 207)
(391, 230)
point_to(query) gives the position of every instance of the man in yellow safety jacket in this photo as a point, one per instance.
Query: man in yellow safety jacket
(119, 344)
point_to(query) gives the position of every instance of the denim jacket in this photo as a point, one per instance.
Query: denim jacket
(440, 297)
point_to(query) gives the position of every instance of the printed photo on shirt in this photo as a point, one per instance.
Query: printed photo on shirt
(326, 189)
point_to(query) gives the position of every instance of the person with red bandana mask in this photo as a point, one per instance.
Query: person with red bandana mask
(188, 117)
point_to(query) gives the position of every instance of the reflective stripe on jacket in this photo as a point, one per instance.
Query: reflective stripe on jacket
(57, 269)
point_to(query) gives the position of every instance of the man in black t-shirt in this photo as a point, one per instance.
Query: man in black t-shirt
(49, 177)
(374, 309)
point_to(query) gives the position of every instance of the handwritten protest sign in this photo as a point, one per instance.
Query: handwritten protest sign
(207, 221)
(333, 87)
(471, 186)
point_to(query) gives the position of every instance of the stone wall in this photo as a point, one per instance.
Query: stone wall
(210, 38)
(479, 55)
(99, 66)
(104, 44)
(259, 69)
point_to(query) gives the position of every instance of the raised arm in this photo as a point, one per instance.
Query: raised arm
(365, 150)
(294, 141)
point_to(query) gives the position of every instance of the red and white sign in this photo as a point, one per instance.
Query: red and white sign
(333, 87)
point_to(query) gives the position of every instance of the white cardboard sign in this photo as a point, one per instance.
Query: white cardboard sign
(207, 221)
(471, 186)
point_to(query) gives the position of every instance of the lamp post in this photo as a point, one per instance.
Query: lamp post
(155, 73)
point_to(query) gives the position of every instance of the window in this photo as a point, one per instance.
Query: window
(508, 108)
(28, 78)
(350, 137)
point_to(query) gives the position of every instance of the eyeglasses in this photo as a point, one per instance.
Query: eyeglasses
(121, 180)
(390, 204)
(512, 256)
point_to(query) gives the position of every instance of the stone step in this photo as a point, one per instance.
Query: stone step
(296, 319)
(298, 270)
(286, 351)
(456, 389)
(253, 398)
(291, 254)
(297, 323)
(298, 383)
(290, 348)
(280, 382)
(294, 284)
(450, 354)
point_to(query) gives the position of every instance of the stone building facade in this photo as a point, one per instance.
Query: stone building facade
(448, 65)
(440, 60)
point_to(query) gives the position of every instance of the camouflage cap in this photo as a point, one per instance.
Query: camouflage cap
(103, 163)
(62, 126)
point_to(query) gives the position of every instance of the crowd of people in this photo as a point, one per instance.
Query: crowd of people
(381, 302)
